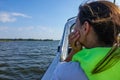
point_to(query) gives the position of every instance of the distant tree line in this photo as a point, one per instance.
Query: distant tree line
(26, 39)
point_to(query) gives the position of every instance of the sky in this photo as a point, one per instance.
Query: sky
(36, 19)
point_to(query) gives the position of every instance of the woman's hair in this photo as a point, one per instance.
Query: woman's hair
(104, 17)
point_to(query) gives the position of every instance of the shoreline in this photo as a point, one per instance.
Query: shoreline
(6, 40)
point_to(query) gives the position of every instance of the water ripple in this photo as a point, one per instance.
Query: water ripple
(25, 60)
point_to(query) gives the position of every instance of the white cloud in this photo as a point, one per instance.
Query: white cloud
(11, 17)
(6, 17)
(21, 15)
(29, 28)
(3, 28)
(36, 32)
(45, 29)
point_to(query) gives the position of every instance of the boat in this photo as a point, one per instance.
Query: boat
(63, 47)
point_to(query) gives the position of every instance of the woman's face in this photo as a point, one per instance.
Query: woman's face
(79, 28)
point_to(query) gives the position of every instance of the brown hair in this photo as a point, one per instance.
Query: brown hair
(104, 17)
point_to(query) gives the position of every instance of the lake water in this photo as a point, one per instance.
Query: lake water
(26, 60)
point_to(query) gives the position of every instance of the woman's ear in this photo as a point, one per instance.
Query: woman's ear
(86, 27)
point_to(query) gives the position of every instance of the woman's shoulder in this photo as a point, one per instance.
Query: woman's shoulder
(69, 71)
(66, 67)
(68, 64)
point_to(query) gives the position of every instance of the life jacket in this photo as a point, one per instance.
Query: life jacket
(89, 58)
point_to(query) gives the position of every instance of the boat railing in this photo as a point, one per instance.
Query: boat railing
(65, 44)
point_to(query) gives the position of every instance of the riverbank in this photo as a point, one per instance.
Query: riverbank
(26, 40)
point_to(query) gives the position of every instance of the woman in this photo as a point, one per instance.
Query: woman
(97, 29)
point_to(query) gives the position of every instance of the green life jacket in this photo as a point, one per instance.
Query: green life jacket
(88, 59)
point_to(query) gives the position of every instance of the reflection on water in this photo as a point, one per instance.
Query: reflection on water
(25, 60)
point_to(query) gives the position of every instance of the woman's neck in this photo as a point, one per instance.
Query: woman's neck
(92, 43)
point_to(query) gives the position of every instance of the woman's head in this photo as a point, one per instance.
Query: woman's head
(101, 18)
(104, 18)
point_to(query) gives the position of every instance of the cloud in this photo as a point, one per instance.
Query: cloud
(6, 17)
(21, 15)
(36, 32)
(3, 28)
(45, 29)
(11, 17)
(29, 28)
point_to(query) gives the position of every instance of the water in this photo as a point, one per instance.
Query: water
(26, 60)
